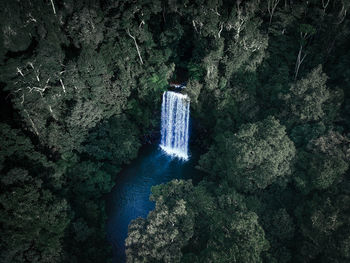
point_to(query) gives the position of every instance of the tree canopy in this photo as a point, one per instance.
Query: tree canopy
(81, 84)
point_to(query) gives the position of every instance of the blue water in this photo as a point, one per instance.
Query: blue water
(129, 199)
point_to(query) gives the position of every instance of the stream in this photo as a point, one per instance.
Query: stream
(129, 198)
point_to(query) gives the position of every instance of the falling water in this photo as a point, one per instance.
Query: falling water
(175, 119)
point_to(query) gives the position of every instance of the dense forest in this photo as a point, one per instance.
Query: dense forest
(81, 88)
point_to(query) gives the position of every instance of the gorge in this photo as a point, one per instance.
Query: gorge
(155, 165)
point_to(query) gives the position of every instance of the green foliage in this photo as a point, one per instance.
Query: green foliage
(216, 227)
(193, 89)
(167, 228)
(86, 27)
(236, 238)
(195, 71)
(255, 157)
(304, 133)
(280, 231)
(159, 83)
(307, 97)
(16, 146)
(226, 229)
(115, 140)
(33, 220)
(323, 164)
(81, 102)
(324, 221)
(88, 180)
(247, 45)
(307, 29)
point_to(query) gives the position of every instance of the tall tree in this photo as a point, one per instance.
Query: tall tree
(258, 155)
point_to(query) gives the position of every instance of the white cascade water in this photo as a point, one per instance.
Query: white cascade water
(175, 120)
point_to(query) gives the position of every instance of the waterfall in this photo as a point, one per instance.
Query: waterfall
(175, 120)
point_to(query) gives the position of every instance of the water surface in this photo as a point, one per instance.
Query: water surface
(129, 198)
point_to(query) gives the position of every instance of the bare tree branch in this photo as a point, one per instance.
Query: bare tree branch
(32, 123)
(53, 7)
(194, 25)
(63, 87)
(215, 11)
(300, 59)
(20, 71)
(325, 4)
(271, 7)
(137, 47)
(219, 33)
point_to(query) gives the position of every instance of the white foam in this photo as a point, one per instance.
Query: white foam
(175, 124)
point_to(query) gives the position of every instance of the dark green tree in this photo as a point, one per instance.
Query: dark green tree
(307, 97)
(167, 229)
(258, 155)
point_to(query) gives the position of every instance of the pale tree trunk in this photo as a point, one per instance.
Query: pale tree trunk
(200, 24)
(194, 25)
(240, 20)
(164, 15)
(137, 47)
(219, 33)
(37, 76)
(35, 73)
(342, 14)
(63, 87)
(271, 7)
(53, 7)
(215, 11)
(300, 59)
(210, 70)
(325, 4)
(32, 123)
(52, 113)
(20, 71)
